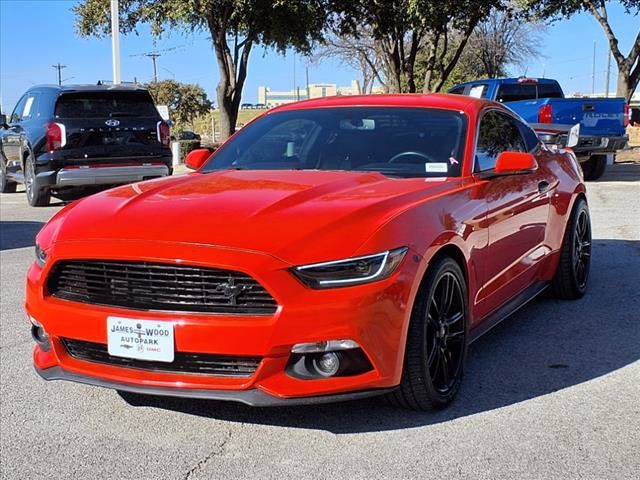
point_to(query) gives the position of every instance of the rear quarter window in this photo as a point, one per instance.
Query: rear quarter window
(105, 104)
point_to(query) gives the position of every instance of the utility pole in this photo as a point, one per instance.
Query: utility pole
(153, 56)
(593, 71)
(294, 74)
(115, 41)
(308, 89)
(59, 68)
(607, 78)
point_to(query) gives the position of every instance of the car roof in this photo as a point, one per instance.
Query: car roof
(510, 80)
(431, 100)
(90, 88)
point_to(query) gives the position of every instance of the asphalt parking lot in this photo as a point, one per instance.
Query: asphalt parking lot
(552, 393)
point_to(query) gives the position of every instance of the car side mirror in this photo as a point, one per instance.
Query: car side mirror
(196, 158)
(512, 163)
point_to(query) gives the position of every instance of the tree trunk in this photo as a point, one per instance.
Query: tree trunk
(624, 88)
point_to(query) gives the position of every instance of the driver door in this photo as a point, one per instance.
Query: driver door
(517, 209)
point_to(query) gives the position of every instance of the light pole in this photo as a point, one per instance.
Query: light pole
(115, 41)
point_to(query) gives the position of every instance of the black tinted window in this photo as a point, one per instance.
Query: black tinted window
(457, 90)
(402, 142)
(549, 90)
(17, 111)
(498, 133)
(530, 136)
(512, 92)
(105, 104)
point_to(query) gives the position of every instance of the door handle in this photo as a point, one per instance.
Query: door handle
(543, 186)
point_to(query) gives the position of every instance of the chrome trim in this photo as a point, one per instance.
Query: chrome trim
(108, 175)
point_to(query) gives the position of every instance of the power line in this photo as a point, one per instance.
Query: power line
(154, 55)
(59, 68)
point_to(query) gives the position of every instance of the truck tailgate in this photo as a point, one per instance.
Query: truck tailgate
(596, 116)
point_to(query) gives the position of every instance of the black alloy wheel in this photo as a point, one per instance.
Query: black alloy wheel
(572, 276)
(437, 340)
(446, 333)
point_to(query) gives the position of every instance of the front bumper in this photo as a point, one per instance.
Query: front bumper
(253, 397)
(375, 315)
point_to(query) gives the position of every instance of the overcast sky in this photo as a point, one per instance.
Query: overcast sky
(35, 34)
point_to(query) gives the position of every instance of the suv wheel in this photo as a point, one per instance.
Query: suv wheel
(37, 197)
(6, 186)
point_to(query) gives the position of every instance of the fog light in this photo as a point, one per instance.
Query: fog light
(327, 365)
(39, 334)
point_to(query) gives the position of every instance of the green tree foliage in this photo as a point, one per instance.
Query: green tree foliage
(234, 26)
(403, 28)
(185, 101)
(629, 65)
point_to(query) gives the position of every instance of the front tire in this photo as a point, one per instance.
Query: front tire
(36, 196)
(570, 280)
(594, 168)
(436, 341)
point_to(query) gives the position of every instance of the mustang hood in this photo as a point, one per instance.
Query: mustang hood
(297, 216)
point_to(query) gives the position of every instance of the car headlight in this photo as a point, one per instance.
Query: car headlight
(41, 256)
(351, 271)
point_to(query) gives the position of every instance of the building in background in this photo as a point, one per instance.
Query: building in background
(273, 98)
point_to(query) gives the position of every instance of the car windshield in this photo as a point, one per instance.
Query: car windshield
(397, 142)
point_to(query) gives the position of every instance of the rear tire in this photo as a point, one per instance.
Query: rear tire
(6, 186)
(37, 197)
(436, 341)
(594, 168)
(571, 278)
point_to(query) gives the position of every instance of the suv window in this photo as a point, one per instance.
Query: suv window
(498, 133)
(105, 104)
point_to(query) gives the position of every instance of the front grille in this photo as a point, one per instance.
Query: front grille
(202, 363)
(157, 286)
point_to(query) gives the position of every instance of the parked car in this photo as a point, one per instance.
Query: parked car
(188, 135)
(246, 106)
(332, 249)
(541, 102)
(70, 137)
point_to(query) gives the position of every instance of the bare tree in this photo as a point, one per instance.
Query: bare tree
(505, 39)
(357, 51)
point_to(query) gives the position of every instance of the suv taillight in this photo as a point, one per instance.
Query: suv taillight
(56, 136)
(164, 133)
(626, 119)
(545, 114)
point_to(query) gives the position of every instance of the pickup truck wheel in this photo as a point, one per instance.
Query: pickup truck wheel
(594, 168)
(6, 186)
(436, 341)
(37, 197)
(572, 275)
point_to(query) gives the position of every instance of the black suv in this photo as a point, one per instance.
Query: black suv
(60, 139)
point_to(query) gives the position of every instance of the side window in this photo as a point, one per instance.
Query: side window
(17, 112)
(457, 90)
(498, 133)
(530, 137)
(29, 109)
(479, 91)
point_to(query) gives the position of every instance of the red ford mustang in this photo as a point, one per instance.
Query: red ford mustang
(332, 249)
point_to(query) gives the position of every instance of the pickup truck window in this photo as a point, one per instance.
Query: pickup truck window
(512, 92)
(498, 133)
(457, 90)
(479, 91)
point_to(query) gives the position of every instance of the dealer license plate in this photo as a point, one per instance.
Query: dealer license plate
(140, 339)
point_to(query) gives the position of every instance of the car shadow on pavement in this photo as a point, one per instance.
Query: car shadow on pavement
(18, 234)
(620, 172)
(547, 346)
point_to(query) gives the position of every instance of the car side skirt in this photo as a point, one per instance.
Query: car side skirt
(508, 309)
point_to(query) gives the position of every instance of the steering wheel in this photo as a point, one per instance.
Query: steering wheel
(422, 156)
